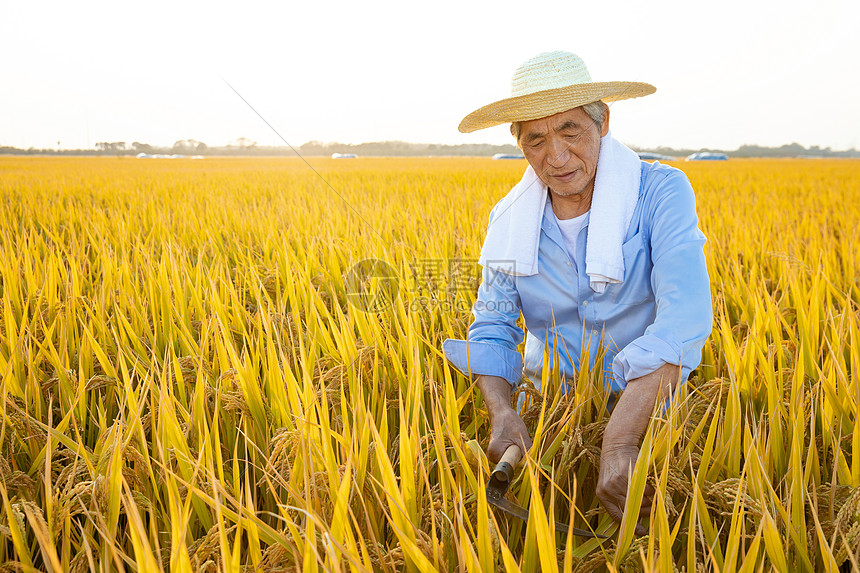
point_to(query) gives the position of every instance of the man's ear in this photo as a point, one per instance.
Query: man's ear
(515, 131)
(604, 125)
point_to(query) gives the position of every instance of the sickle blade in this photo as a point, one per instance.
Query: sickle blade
(497, 499)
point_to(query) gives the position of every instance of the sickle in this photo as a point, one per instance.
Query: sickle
(500, 479)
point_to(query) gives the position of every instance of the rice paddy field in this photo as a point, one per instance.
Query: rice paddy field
(234, 365)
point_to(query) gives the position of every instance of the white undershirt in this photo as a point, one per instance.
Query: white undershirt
(570, 229)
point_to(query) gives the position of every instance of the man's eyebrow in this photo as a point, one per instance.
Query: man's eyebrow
(569, 124)
(529, 137)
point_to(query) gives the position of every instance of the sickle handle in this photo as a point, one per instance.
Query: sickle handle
(504, 470)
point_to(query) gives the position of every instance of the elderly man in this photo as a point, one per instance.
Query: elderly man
(596, 249)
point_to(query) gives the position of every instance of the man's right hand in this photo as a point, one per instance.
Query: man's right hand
(506, 426)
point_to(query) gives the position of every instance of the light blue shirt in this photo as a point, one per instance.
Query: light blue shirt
(659, 314)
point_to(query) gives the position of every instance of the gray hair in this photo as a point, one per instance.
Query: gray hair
(596, 110)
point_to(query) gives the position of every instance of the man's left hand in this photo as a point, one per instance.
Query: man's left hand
(616, 465)
(621, 440)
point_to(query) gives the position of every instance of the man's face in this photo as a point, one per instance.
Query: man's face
(563, 150)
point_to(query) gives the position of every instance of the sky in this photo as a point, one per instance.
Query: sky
(727, 73)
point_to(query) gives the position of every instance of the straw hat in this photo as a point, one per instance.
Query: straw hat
(550, 83)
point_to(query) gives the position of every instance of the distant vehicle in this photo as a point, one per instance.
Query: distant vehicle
(508, 156)
(164, 156)
(344, 156)
(707, 156)
(648, 156)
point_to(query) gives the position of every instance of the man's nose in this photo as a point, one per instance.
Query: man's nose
(558, 153)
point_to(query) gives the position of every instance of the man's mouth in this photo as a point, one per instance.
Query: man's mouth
(565, 177)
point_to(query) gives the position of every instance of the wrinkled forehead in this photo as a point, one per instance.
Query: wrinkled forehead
(570, 120)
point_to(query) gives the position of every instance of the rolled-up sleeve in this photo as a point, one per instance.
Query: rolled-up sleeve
(491, 348)
(679, 279)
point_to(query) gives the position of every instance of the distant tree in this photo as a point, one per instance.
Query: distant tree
(791, 150)
(139, 147)
(113, 147)
(245, 143)
(182, 146)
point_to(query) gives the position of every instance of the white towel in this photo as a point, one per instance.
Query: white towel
(512, 239)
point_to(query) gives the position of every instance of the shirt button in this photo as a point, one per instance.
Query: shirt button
(569, 264)
(585, 303)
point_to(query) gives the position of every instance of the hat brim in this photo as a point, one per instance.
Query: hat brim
(550, 102)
